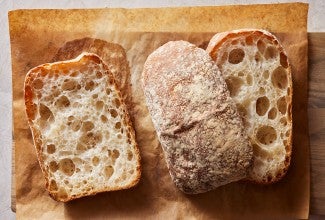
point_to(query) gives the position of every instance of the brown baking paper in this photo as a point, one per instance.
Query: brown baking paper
(36, 36)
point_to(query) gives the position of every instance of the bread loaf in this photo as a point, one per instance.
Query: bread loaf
(82, 133)
(197, 123)
(258, 75)
(113, 55)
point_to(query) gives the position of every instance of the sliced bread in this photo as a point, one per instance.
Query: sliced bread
(113, 55)
(82, 132)
(258, 75)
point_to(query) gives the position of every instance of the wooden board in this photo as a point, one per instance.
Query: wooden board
(316, 114)
(316, 110)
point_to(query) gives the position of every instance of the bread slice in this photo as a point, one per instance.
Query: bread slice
(82, 132)
(197, 122)
(112, 54)
(258, 75)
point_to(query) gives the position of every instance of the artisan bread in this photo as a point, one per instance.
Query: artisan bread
(197, 123)
(82, 133)
(258, 75)
(113, 55)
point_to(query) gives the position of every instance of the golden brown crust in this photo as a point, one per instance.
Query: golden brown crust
(31, 111)
(214, 49)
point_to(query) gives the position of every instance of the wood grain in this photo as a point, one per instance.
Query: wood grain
(316, 114)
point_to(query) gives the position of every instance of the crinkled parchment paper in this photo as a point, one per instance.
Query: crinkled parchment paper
(36, 36)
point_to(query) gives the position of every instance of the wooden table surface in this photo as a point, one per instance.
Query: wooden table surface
(316, 115)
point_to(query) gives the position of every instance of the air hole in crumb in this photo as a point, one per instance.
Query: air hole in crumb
(37, 84)
(117, 102)
(249, 79)
(45, 112)
(261, 90)
(282, 105)
(270, 52)
(266, 135)
(99, 105)
(283, 121)
(95, 96)
(131, 171)
(261, 46)
(130, 155)
(67, 166)
(262, 105)
(103, 118)
(69, 85)
(115, 155)
(234, 84)
(287, 133)
(236, 56)
(95, 161)
(70, 118)
(84, 181)
(63, 101)
(81, 147)
(108, 91)
(283, 60)
(53, 186)
(113, 113)
(87, 126)
(111, 81)
(258, 57)
(279, 78)
(118, 125)
(266, 74)
(234, 42)
(75, 125)
(109, 170)
(90, 86)
(90, 139)
(272, 113)
(50, 148)
(99, 75)
(119, 136)
(66, 182)
(240, 74)
(53, 166)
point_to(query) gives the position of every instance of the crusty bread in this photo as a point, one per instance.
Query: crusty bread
(197, 123)
(82, 132)
(257, 72)
(113, 55)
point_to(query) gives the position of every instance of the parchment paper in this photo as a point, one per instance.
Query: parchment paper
(36, 36)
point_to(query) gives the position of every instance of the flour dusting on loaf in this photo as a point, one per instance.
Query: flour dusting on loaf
(201, 133)
(257, 72)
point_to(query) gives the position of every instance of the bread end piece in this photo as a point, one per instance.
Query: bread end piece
(258, 74)
(81, 129)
